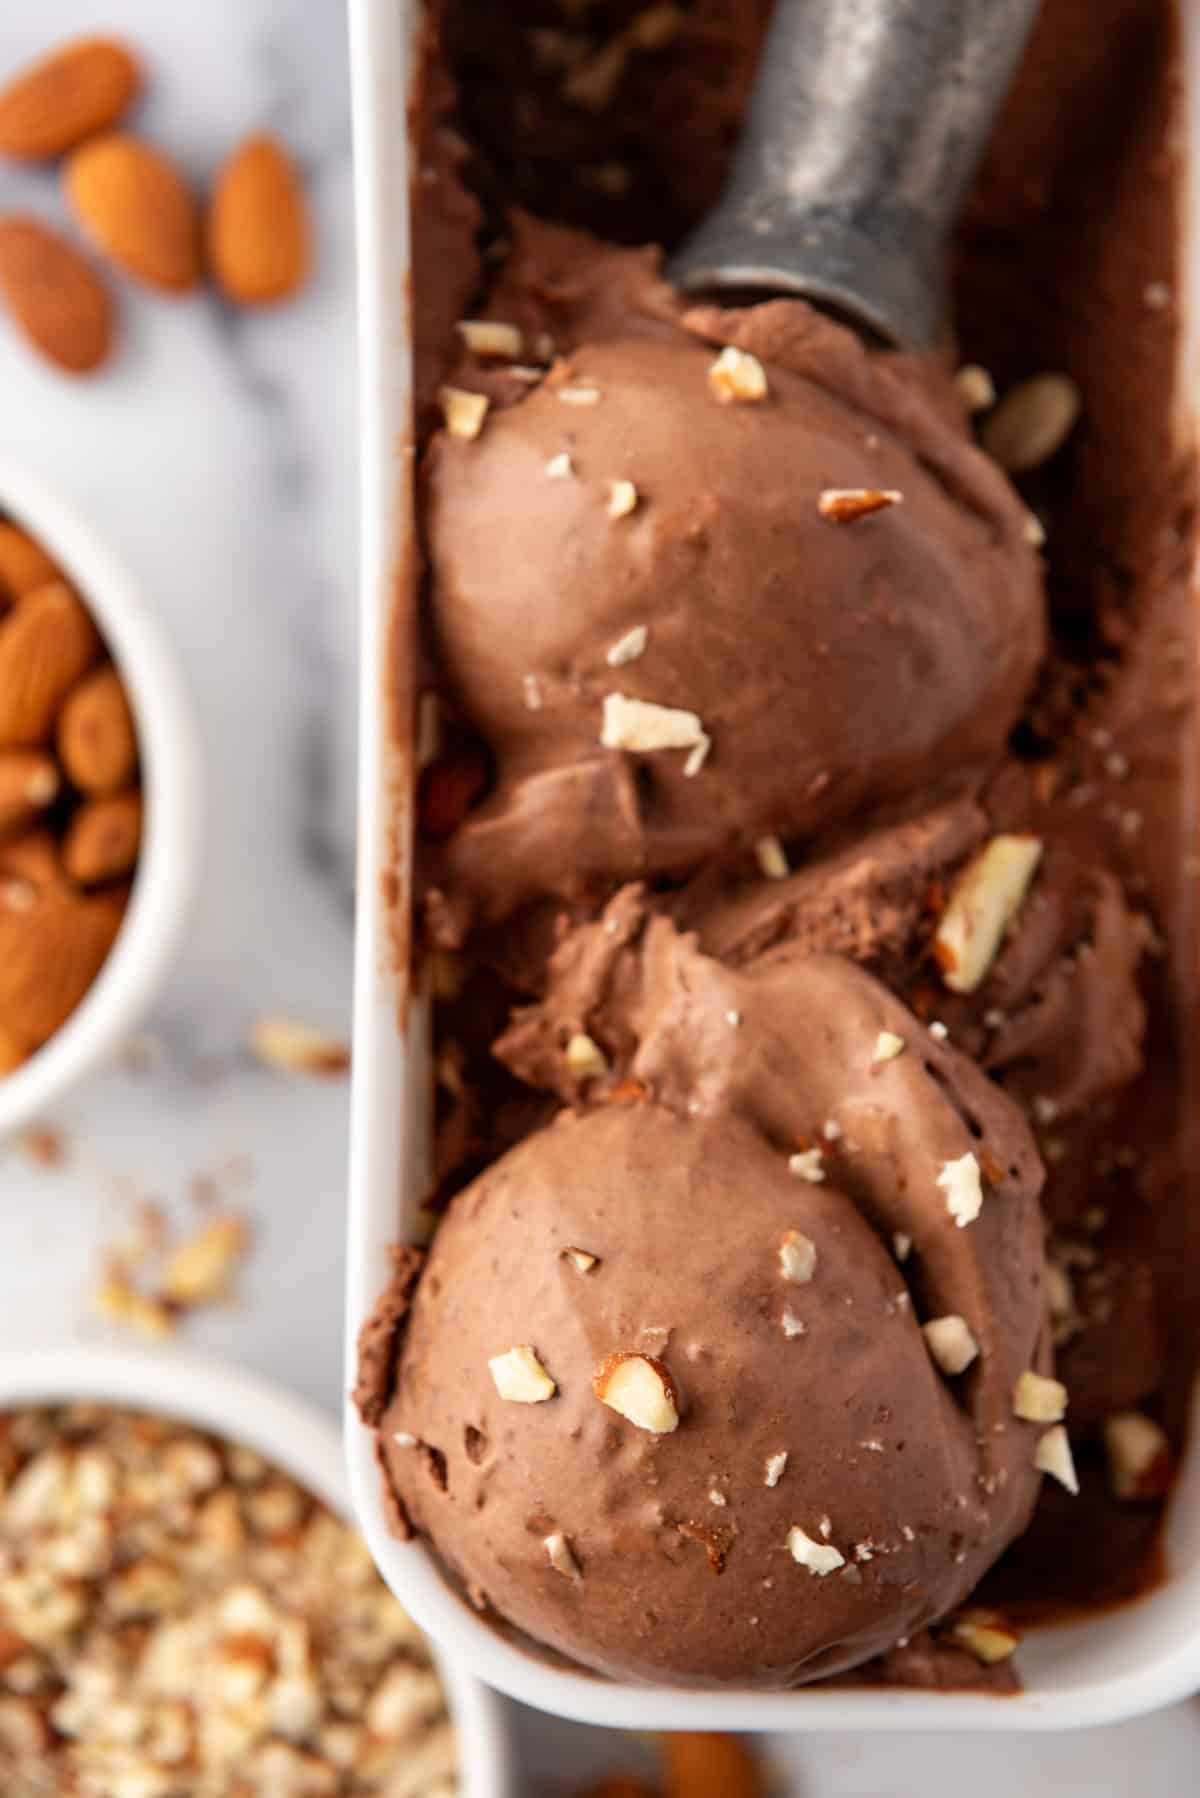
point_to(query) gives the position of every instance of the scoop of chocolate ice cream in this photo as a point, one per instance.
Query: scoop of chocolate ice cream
(730, 1452)
(651, 601)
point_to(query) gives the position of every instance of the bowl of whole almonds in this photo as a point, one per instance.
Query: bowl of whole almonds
(99, 803)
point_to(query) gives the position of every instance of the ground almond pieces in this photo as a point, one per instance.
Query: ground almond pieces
(193, 1619)
(642, 726)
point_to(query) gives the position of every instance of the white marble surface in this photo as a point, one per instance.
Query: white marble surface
(218, 454)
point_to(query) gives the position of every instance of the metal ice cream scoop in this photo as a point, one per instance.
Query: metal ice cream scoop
(867, 121)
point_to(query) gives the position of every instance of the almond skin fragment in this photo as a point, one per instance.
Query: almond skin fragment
(24, 564)
(102, 839)
(259, 239)
(47, 643)
(81, 88)
(29, 782)
(97, 738)
(136, 207)
(54, 295)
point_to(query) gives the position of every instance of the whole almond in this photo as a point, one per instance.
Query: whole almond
(710, 1766)
(47, 643)
(258, 226)
(24, 564)
(12, 1052)
(50, 953)
(55, 295)
(29, 782)
(32, 859)
(102, 839)
(97, 739)
(137, 209)
(79, 89)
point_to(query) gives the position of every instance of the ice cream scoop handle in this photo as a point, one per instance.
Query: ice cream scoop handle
(867, 121)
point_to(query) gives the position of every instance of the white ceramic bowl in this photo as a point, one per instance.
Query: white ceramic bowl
(1097, 1671)
(240, 1407)
(168, 743)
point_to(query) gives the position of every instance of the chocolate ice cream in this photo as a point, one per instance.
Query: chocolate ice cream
(685, 620)
(810, 925)
(777, 1181)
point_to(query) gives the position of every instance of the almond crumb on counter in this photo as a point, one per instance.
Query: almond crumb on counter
(290, 1046)
(581, 1259)
(560, 467)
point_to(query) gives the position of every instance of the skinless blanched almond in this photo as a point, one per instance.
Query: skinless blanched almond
(1032, 422)
(463, 412)
(640, 1389)
(984, 1636)
(1140, 1463)
(1038, 1399)
(102, 839)
(951, 1343)
(47, 643)
(55, 295)
(737, 378)
(490, 339)
(258, 228)
(81, 88)
(137, 209)
(985, 899)
(520, 1377)
(97, 738)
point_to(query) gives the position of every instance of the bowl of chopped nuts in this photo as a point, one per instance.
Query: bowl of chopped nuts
(99, 798)
(181, 1598)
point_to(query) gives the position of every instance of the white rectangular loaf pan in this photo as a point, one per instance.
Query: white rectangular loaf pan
(1114, 1666)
